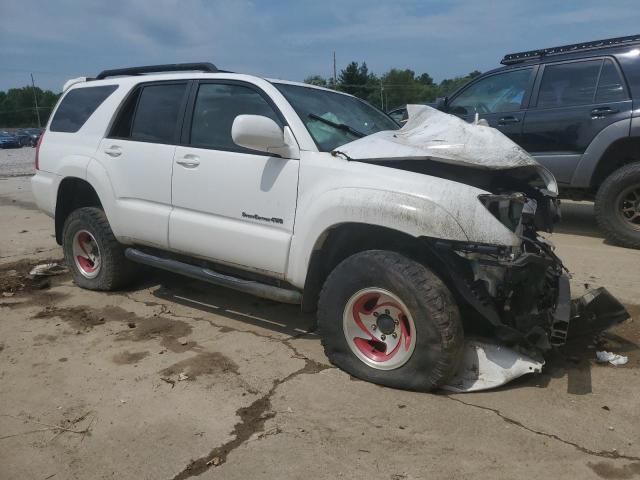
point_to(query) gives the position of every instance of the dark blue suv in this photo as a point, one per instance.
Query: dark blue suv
(576, 109)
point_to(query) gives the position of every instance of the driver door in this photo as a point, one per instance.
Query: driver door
(501, 99)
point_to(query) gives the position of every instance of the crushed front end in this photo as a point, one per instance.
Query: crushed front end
(523, 293)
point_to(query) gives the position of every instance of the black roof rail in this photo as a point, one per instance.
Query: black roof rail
(170, 67)
(575, 47)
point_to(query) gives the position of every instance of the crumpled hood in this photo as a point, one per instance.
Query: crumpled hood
(438, 136)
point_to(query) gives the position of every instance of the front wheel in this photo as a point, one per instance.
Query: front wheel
(387, 319)
(92, 252)
(617, 206)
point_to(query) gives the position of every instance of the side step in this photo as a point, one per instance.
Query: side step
(247, 286)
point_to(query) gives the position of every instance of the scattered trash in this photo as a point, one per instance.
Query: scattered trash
(131, 325)
(8, 294)
(184, 342)
(47, 269)
(215, 461)
(612, 358)
(183, 376)
(169, 381)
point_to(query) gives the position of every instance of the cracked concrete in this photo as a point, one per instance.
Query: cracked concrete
(260, 400)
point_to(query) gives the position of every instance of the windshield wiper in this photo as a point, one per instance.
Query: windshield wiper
(339, 126)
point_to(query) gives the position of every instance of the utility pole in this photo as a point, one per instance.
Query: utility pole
(35, 99)
(381, 95)
(335, 83)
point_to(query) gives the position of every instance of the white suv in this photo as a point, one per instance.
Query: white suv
(401, 238)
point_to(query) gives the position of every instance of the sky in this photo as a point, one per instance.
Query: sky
(61, 39)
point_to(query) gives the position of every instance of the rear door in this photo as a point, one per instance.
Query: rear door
(231, 204)
(500, 98)
(573, 102)
(138, 156)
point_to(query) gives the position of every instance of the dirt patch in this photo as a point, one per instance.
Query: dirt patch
(129, 358)
(608, 470)
(206, 363)
(15, 278)
(79, 318)
(169, 332)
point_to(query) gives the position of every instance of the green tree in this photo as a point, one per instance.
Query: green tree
(17, 107)
(316, 80)
(354, 79)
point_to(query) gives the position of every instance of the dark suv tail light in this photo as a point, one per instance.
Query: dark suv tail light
(38, 150)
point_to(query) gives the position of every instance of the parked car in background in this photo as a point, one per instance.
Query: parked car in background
(9, 140)
(31, 135)
(574, 108)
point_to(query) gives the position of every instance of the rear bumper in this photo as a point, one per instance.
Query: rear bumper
(44, 186)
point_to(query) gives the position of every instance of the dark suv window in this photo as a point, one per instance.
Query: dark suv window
(151, 114)
(77, 106)
(610, 86)
(498, 93)
(569, 84)
(217, 105)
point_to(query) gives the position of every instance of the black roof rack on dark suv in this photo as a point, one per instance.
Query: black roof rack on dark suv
(575, 47)
(171, 67)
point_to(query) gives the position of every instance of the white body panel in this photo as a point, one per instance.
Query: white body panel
(235, 208)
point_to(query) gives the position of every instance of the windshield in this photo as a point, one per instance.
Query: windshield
(334, 119)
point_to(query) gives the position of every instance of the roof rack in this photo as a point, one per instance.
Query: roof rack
(170, 67)
(575, 47)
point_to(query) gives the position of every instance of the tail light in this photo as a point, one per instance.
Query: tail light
(38, 150)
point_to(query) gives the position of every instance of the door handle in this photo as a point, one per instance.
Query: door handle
(113, 151)
(189, 161)
(603, 112)
(508, 120)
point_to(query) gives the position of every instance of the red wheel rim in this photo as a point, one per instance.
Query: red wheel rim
(86, 254)
(379, 328)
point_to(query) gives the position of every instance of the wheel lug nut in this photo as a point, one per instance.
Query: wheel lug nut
(375, 314)
(374, 326)
(394, 335)
(396, 321)
(383, 337)
(387, 311)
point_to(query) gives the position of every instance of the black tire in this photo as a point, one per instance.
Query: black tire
(439, 333)
(115, 271)
(607, 205)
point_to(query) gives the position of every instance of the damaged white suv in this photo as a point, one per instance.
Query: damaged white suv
(405, 240)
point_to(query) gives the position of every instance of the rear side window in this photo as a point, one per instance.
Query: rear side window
(77, 106)
(569, 84)
(610, 86)
(151, 114)
(217, 106)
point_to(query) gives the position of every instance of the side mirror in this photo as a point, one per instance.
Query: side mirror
(259, 133)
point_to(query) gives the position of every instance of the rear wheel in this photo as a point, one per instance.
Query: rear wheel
(93, 254)
(387, 319)
(617, 206)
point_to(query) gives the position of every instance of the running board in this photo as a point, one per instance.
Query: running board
(247, 286)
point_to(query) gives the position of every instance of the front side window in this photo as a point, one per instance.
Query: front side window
(217, 106)
(77, 106)
(500, 93)
(569, 84)
(334, 119)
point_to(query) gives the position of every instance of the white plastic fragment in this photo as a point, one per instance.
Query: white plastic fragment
(183, 376)
(487, 364)
(612, 358)
(47, 269)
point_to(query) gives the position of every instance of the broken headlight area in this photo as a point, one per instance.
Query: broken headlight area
(524, 294)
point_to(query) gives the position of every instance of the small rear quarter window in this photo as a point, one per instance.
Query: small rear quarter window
(77, 106)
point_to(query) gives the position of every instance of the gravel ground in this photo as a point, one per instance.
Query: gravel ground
(16, 162)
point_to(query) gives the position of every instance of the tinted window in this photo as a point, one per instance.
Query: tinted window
(77, 106)
(569, 84)
(610, 86)
(503, 92)
(156, 114)
(217, 106)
